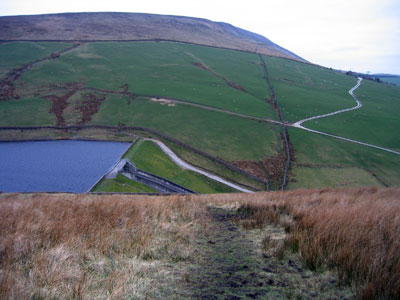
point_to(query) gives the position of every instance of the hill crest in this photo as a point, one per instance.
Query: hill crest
(110, 26)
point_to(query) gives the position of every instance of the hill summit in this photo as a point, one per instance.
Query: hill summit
(111, 26)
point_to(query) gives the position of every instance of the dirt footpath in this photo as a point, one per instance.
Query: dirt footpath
(237, 263)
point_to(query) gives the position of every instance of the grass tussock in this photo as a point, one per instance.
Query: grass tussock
(98, 247)
(354, 231)
(88, 247)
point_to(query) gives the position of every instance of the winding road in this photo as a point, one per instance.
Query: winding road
(298, 124)
(359, 104)
(185, 165)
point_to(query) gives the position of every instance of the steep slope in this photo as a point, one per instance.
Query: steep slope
(108, 26)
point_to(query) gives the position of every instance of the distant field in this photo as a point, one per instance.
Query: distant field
(228, 137)
(16, 54)
(376, 122)
(25, 112)
(312, 177)
(305, 90)
(315, 150)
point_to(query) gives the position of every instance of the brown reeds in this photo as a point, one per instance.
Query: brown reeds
(92, 246)
(81, 246)
(354, 231)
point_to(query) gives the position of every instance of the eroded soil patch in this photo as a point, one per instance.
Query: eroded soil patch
(7, 85)
(89, 106)
(270, 168)
(60, 103)
(7, 90)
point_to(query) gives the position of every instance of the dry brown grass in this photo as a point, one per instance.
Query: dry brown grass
(93, 247)
(354, 231)
(115, 247)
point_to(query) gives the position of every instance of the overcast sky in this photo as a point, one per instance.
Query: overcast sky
(358, 35)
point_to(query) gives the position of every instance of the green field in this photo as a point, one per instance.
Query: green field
(226, 136)
(25, 112)
(376, 122)
(317, 150)
(17, 54)
(158, 69)
(306, 90)
(316, 177)
(122, 184)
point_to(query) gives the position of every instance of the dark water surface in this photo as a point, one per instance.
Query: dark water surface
(56, 166)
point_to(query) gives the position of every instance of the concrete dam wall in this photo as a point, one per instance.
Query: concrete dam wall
(128, 169)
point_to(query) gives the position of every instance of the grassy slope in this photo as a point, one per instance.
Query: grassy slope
(122, 184)
(149, 157)
(376, 122)
(241, 68)
(160, 69)
(316, 149)
(229, 137)
(313, 177)
(304, 90)
(16, 54)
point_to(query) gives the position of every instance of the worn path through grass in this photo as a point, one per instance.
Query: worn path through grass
(232, 264)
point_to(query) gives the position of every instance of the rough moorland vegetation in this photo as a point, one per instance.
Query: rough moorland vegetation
(122, 247)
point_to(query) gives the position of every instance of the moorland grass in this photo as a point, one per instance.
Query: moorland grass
(92, 246)
(376, 122)
(353, 231)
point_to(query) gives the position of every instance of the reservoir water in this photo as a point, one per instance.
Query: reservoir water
(56, 166)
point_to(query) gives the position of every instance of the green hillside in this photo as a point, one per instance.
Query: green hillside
(207, 104)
